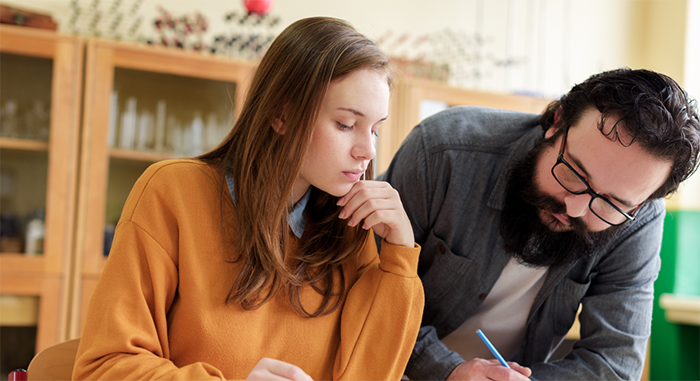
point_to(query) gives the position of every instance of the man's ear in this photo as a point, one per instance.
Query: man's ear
(555, 124)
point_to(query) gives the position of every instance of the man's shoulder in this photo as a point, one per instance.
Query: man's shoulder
(651, 211)
(474, 126)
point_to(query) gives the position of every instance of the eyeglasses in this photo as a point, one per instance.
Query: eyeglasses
(574, 183)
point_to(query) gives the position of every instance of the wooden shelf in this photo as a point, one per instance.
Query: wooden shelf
(23, 144)
(681, 309)
(142, 156)
(15, 264)
(19, 311)
(28, 41)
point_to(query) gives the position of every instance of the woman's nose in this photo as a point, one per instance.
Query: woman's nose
(364, 148)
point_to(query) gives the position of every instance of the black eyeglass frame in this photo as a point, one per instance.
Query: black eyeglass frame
(593, 194)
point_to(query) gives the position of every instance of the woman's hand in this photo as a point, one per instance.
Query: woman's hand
(379, 205)
(269, 369)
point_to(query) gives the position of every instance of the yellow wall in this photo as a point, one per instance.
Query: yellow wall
(658, 42)
(659, 36)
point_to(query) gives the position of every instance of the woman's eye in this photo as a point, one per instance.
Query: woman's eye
(375, 133)
(342, 126)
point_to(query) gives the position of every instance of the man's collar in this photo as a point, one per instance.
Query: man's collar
(297, 217)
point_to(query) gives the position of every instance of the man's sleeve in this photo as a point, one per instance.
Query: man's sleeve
(617, 309)
(411, 173)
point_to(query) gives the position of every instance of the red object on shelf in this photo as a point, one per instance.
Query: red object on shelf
(17, 375)
(260, 7)
(23, 17)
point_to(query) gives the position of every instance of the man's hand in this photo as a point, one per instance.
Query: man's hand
(480, 369)
(269, 369)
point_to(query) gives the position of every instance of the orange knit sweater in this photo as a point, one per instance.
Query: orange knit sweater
(158, 311)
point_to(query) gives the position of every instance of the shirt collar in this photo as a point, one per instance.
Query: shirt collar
(297, 217)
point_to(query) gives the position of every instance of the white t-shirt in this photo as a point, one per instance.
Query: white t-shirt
(502, 315)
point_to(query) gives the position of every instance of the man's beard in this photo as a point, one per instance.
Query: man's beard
(530, 240)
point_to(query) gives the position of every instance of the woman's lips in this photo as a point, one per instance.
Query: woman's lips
(353, 176)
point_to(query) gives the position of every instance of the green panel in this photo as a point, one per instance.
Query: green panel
(675, 348)
(689, 349)
(664, 336)
(688, 253)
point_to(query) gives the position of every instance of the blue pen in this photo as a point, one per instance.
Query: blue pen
(492, 348)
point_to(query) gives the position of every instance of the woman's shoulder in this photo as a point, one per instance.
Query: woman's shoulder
(183, 172)
(181, 166)
(178, 178)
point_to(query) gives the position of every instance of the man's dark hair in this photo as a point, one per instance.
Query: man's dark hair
(650, 107)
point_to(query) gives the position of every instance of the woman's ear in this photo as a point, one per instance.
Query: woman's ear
(278, 125)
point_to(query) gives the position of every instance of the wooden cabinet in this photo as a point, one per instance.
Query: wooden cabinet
(405, 109)
(40, 98)
(142, 104)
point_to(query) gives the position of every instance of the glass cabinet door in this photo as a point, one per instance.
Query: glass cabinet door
(142, 104)
(156, 116)
(40, 82)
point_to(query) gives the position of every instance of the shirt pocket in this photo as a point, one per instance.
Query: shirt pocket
(565, 299)
(447, 275)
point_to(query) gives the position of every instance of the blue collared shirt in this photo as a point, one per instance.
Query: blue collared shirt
(297, 217)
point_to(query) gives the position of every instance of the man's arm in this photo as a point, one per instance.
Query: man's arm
(617, 307)
(431, 359)
(410, 176)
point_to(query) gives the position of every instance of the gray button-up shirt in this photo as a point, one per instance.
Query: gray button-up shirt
(451, 172)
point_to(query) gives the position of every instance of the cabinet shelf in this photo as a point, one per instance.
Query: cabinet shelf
(16, 264)
(139, 156)
(23, 144)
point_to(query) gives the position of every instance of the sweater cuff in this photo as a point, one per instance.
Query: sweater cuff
(399, 260)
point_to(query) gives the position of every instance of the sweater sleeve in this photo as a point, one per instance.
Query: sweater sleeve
(381, 315)
(126, 328)
(129, 306)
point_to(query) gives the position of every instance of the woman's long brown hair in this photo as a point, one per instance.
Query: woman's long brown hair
(290, 83)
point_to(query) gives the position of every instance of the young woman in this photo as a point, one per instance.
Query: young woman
(257, 260)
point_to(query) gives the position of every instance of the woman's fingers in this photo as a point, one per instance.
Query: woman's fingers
(377, 205)
(275, 370)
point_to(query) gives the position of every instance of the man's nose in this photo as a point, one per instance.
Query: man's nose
(577, 204)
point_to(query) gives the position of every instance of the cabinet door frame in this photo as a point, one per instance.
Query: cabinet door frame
(48, 276)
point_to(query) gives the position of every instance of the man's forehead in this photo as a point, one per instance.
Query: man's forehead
(612, 126)
(615, 163)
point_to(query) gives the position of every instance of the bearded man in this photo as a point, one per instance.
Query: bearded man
(522, 218)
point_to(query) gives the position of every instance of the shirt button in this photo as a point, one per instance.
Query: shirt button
(441, 248)
(482, 297)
